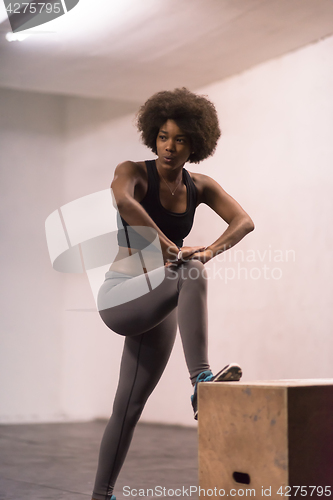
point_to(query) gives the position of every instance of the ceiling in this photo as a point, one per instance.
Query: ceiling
(127, 49)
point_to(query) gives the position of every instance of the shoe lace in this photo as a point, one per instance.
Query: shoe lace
(205, 376)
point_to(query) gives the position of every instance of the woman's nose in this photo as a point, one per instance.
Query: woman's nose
(170, 145)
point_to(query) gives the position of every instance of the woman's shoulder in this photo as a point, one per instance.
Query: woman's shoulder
(133, 169)
(200, 180)
(130, 166)
(131, 176)
(204, 185)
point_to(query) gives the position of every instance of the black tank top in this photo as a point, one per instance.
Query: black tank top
(176, 226)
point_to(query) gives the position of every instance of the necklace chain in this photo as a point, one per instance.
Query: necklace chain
(172, 192)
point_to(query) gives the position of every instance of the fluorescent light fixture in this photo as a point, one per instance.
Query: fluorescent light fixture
(16, 37)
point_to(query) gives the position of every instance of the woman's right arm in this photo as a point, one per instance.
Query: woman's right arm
(127, 182)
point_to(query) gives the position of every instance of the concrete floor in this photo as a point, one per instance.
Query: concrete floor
(58, 461)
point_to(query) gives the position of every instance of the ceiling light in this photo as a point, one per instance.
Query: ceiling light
(16, 37)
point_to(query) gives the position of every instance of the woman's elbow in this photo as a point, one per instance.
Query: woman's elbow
(248, 224)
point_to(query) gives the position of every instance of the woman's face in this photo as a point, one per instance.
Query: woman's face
(173, 145)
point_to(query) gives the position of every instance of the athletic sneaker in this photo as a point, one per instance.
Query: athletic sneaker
(230, 373)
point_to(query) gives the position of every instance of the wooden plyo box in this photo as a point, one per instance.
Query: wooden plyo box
(266, 435)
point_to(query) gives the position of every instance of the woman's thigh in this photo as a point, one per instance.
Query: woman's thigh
(141, 314)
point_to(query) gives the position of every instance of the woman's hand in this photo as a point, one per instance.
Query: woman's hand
(187, 253)
(191, 253)
(184, 254)
(202, 254)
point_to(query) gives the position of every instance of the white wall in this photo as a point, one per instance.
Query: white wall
(274, 158)
(32, 160)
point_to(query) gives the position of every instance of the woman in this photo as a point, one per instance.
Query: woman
(161, 196)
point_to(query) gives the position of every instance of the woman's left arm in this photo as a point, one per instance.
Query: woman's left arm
(239, 222)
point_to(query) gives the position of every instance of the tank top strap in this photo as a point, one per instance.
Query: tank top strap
(192, 190)
(153, 180)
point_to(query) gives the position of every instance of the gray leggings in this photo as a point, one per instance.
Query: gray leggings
(150, 324)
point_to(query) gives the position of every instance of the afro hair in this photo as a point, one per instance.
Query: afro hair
(193, 113)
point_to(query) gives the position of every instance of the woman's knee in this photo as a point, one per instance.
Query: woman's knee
(194, 275)
(195, 270)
